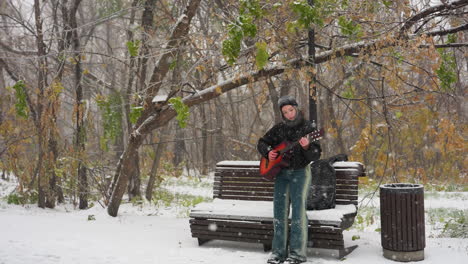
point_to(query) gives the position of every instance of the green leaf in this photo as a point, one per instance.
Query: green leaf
(111, 117)
(447, 71)
(181, 109)
(349, 28)
(133, 47)
(243, 26)
(315, 14)
(387, 3)
(355, 237)
(398, 56)
(251, 7)
(451, 38)
(173, 65)
(135, 113)
(348, 93)
(262, 56)
(344, 4)
(21, 105)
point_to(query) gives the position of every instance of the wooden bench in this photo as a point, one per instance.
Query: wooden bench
(242, 209)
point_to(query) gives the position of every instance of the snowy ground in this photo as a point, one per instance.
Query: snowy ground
(146, 234)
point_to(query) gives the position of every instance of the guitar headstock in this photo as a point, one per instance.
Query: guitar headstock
(315, 135)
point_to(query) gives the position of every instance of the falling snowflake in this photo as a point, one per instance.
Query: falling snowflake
(212, 227)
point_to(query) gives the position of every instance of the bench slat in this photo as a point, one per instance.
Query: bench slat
(232, 229)
(243, 236)
(242, 188)
(325, 243)
(347, 187)
(244, 198)
(346, 202)
(239, 173)
(346, 197)
(243, 224)
(240, 179)
(258, 184)
(350, 192)
(347, 182)
(229, 238)
(247, 193)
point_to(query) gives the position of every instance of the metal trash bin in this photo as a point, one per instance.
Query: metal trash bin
(402, 221)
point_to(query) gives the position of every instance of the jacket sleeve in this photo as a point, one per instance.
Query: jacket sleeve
(267, 142)
(313, 152)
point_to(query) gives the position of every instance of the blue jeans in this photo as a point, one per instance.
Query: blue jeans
(291, 187)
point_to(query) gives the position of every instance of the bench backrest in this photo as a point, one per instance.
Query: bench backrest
(240, 180)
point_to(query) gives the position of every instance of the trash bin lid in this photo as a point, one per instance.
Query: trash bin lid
(401, 187)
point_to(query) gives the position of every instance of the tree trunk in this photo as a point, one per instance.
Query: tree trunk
(52, 191)
(219, 153)
(41, 84)
(274, 100)
(154, 178)
(80, 131)
(333, 123)
(135, 181)
(134, 189)
(179, 146)
(127, 168)
(204, 135)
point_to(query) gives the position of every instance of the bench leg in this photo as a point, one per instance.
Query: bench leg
(266, 247)
(202, 241)
(345, 251)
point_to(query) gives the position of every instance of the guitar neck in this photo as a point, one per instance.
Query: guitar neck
(289, 147)
(316, 135)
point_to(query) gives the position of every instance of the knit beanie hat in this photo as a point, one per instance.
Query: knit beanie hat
(286, 100)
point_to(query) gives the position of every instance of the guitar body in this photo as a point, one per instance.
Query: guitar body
(269, 168)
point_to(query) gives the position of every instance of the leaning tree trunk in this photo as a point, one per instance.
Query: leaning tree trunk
(158, 150)
(134, 189)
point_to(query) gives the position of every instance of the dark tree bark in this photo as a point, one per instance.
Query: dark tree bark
(41, 84)
(80, 130)
(274, 100)
(134, 181)
(219, 153)
(154, 178)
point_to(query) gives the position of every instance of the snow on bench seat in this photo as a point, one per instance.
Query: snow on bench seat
(263, 211)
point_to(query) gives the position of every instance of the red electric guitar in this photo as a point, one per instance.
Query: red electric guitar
(269, 168)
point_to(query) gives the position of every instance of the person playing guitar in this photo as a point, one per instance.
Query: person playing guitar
(292, 179)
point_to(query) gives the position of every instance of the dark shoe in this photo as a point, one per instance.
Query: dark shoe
(274, 260)
(293, 261)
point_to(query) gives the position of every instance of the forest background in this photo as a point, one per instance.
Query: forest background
(106, 98)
